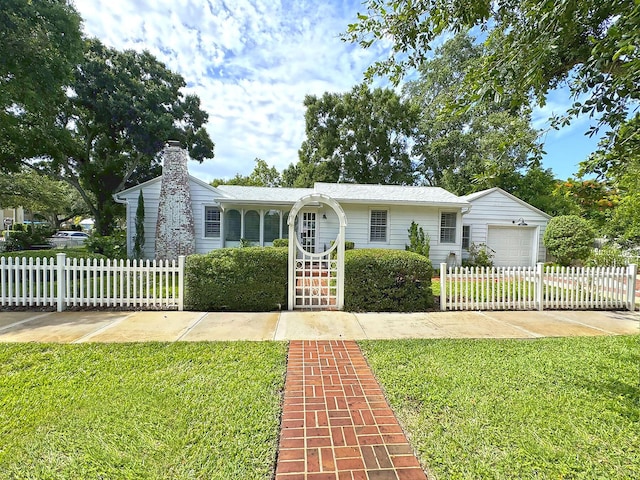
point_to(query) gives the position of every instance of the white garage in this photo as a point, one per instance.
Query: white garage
(513, 246)
(512, 228)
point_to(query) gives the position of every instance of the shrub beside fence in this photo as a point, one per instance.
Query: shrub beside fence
(237, 279)
(380, 280)
(63, 282)
(537, 288)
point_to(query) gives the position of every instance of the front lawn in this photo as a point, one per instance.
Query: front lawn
(546, 408)
(140, 411)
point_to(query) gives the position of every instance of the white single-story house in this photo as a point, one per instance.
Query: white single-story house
(377, 216)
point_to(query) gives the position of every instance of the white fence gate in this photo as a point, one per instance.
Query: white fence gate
(537, 288)
(64, 282)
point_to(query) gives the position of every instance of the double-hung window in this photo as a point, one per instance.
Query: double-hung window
(448, 227)
(212, 222)
(378, 226)
(466, 236)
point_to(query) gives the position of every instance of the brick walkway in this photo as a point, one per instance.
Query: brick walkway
(336, 423)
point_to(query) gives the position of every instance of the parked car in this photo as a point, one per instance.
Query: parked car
(69, 238)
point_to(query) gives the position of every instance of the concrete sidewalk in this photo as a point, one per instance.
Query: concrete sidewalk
(101, 326)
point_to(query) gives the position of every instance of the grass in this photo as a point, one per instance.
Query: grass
(497, 409)
(140, 411)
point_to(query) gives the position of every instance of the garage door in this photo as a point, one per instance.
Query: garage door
(513, 246)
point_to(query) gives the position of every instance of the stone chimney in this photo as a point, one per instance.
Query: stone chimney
(175, 230)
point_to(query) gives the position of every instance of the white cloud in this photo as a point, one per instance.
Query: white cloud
(251, 62)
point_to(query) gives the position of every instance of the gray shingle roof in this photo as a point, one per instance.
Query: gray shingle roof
(389, 194)
(344, 192)
(243, 194)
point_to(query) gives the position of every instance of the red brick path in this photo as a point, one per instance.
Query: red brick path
(336, 423)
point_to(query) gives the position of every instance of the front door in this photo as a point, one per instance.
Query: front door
(308, 231)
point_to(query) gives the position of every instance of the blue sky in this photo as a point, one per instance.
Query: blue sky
(251, 62)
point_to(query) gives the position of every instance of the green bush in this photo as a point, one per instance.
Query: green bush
(607, 256)
(281, 242)
(24, 237)
(419, 242)
(379, 280)
(70, 253)
(568, 238)
(111, 246)
(347, 246)
(250, 279)
(480, 255)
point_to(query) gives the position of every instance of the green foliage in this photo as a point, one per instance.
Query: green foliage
(237, 279)
(531, 47)
(261, 176)
(24, 237)
(41, 45)
(348, 245)
(69, 252)
(126, 106)
(618, 163)
(379, 280)
(418, 241)
(487, 145)
(607, 256)
(111, 246)
(568, 238)
(361, 136)
(281, 242)
(138, 239)
(480, 255)
(43, 196)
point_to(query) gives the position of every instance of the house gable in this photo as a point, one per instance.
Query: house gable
(505, 223)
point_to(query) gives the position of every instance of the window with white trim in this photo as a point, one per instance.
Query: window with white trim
(466, 236)
(212, 222)
(378, 226)
(448, 222)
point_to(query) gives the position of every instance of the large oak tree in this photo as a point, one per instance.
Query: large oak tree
(361, 136)
(123, 107)
(40, 45)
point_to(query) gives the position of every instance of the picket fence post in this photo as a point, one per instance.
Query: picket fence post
(443, 286)
(61, 261)
(632, 272)
(539, 285)
(181, 282)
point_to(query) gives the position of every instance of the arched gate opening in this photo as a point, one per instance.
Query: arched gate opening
(316, 278)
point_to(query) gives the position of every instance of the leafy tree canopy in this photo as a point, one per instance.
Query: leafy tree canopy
(361, 136)
(532, 47)
(41, 44)
(53, 200)
(123, 108)
(262, 176)
(489, 145)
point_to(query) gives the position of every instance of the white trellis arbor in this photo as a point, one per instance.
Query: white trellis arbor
(316, 279)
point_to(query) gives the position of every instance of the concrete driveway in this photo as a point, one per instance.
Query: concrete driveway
(98, 326)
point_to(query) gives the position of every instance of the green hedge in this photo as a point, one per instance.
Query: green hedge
(250, 279)
(70, 253)
(379, 280)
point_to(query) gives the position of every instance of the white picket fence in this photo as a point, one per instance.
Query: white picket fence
(537, 288)
(64, 282)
